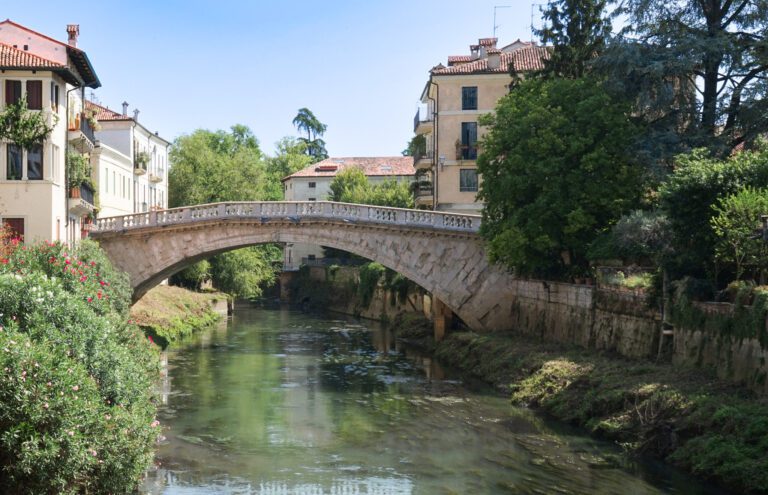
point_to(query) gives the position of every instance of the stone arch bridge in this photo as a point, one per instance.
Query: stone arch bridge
(441, 252)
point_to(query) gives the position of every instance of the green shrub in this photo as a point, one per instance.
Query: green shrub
(76, 401)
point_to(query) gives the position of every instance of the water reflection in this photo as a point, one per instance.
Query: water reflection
(280, 402)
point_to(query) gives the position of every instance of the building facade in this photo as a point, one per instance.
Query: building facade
(129, 162)
(313, 183)
(452, 101)
(35, 199)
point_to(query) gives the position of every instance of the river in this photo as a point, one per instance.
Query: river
(278, 401)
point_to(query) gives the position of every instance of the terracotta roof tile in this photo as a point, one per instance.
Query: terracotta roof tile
(525, 59)
(11, 57)
(104, 113)
(459, 58)
(371, 166)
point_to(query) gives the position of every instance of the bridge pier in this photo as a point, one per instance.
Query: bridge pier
(286, 279)
(442, 318)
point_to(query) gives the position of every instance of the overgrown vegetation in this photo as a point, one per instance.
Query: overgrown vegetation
(77, 411)
(685, 416)
(167, 314)
(352, 186)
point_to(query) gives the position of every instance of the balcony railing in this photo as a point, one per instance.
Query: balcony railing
(422, 159)
(466, 153)
(139, 168)
(80, 123)
(83, 192)
(423, 116)
(423, 188)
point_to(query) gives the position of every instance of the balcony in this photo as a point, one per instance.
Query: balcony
(423, 160)
(139, 168)
(423, 188)
(465, 152)
(158, 177)
(81, 135)
(81, 200)
(423, 121)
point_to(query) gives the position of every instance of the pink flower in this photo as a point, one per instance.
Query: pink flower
(90, 299)
(154, 424)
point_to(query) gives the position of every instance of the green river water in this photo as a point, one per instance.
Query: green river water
(277, 401)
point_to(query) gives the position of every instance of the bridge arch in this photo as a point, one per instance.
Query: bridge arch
(441, 252)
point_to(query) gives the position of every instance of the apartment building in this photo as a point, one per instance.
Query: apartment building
(129, 162)
(313, 183)
(453, 99)
(35, 200)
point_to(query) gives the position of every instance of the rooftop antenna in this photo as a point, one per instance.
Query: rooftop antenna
(532, 6)
(494, 16)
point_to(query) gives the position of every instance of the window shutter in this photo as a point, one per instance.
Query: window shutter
(35, 95)
(12, 91)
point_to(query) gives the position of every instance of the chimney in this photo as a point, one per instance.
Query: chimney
(494, 59)
(136, 115)
(73, 31)
(125, 109)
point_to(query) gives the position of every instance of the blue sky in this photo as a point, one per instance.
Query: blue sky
(359, 66)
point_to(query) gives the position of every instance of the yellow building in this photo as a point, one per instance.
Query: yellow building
(452, 101)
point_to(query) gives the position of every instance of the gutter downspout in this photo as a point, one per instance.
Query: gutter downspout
(435, 158)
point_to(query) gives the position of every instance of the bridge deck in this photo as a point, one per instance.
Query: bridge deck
(291, 210)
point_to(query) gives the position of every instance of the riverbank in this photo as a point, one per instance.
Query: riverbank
(167, 313)
(685, 416)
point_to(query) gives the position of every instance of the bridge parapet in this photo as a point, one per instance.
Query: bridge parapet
(294, 211)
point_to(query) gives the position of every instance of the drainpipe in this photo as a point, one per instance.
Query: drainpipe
(435, 158)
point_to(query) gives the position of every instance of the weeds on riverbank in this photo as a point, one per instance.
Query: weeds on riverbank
(167, 314)
(686, 416)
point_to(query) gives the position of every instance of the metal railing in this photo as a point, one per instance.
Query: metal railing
(87, 194)
(295, 212)
(422, 115)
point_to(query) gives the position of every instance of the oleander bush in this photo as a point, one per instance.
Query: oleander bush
(77, 409)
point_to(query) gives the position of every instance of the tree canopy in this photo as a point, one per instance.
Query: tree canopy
(305, 121)
(711, 53)
(557, 172)
(577, 30)
(212, 166)
(352, 186)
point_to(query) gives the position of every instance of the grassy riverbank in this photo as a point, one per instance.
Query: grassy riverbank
(168, 313)
(686, 417)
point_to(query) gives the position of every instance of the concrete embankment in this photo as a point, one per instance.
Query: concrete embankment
(167, 313)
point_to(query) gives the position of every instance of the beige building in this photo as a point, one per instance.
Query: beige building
(313, 183)
(453, 99)
(34, 198)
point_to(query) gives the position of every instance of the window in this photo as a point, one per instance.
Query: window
(312, 185)
(12, 92)
(35, 162)
(469, 98)
(468, 180)
(14, 157)
(15, 226)
(468, 140)
(54, 96)
(312, 199)
(35, 95)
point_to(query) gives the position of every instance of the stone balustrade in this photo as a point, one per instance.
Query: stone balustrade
(293, 211)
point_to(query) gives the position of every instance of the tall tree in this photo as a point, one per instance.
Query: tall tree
(305, 121)
(577, 31)
(211, 166)
(715, 48)
(558, 153)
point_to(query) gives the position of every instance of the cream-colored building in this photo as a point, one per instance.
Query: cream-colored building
(453, 99)
(34, 198)
(313, 183)
(130, 163)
